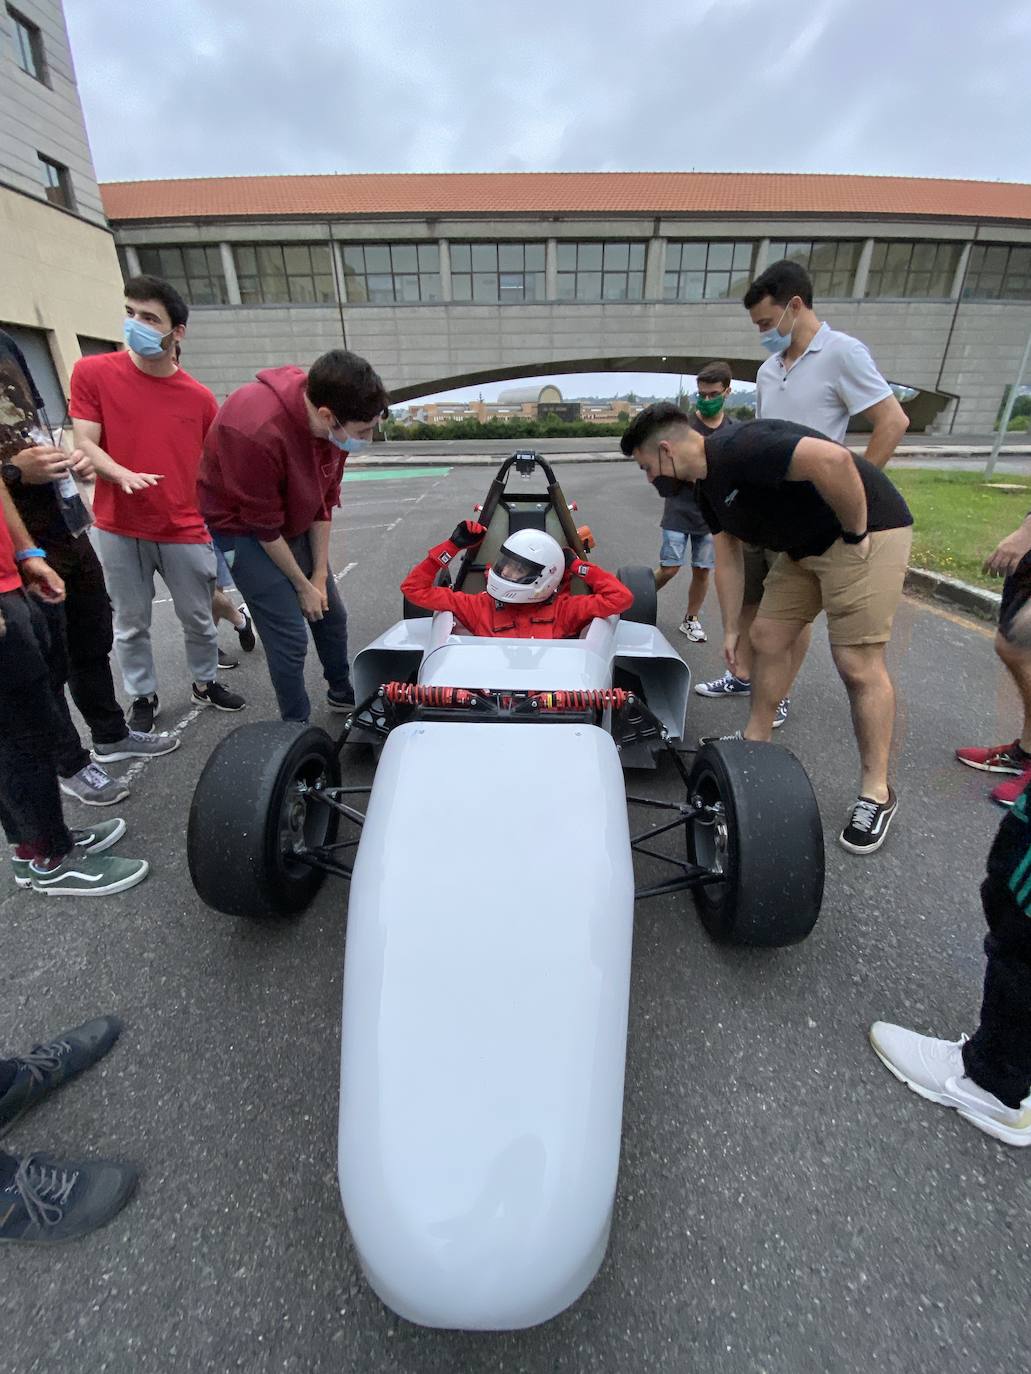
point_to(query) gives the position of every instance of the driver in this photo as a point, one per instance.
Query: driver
(527, 594)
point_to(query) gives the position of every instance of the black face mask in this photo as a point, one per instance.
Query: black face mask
(667, 486)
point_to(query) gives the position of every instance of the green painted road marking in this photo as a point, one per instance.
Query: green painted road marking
(384, 474)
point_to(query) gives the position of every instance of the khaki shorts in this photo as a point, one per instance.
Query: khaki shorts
(860, 595)
(758, 562)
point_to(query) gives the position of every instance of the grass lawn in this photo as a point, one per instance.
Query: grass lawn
(959, 520)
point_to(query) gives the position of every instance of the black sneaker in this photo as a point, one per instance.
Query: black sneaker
(868, 823)
(225, 663)
(44, 1201)
(245, 632)
(143, 714)
(46, 1067)
(214, 694)
(341, 701)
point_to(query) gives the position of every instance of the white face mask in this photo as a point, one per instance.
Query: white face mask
(773, 340)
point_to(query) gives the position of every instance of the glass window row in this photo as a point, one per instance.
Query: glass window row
(510, 273)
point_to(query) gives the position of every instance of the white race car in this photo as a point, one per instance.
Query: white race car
(487, 971)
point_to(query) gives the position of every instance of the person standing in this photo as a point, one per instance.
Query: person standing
(842, 533)
(80, 631)
(45, 855)
(682, 522)
(1011, 559)
(141, 420)
(815, 376)
(269, 480)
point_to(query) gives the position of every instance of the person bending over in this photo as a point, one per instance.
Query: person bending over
(527, 595)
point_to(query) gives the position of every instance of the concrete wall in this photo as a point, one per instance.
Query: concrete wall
(961, 353)
(59, 274)
(44, 117)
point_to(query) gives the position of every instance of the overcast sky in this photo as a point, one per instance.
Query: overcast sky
(243, 87)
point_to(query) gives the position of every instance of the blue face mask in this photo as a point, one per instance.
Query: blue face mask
(773, 340)
(143, 338)
(349, 445)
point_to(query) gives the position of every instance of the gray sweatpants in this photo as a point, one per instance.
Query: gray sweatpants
(188, 571)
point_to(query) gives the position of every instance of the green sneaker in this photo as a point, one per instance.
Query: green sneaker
(96, 838)
(86, 875)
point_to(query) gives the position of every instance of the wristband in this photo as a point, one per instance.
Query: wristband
(22, 554)
(848, 538)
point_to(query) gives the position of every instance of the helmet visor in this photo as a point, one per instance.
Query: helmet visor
(512, 567)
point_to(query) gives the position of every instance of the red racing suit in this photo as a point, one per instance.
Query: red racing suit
(561, 617)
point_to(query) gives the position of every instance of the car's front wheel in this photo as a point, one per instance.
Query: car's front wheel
(758, 825)
(253, 809)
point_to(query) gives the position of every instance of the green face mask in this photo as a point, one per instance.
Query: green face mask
(709, 405)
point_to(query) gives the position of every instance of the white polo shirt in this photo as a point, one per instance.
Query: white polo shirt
(834, 379)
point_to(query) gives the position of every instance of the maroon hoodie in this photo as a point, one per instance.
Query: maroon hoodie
(263, 472)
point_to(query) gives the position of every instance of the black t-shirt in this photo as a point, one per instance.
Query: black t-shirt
(747, 494)
(681, 512)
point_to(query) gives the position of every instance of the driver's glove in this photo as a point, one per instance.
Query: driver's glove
(468, 534)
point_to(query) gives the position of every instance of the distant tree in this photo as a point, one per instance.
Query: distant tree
(623, 417)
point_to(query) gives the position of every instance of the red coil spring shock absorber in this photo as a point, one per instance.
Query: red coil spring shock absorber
(416, 694)
(584, 700)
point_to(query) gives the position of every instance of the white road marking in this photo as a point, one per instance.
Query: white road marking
(337, 577)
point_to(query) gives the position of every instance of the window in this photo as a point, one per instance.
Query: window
(382, 273)
(281, 273)
(28, 46)
(831, 263)
(700, 271)
(500, 272)
(57, 182)
(195, 272)
(903, 268)
(998, 272)
(601, 271)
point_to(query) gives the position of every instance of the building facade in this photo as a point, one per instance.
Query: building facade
(450, 280)
(60, 284)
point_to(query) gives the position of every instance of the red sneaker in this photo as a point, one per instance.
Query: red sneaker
(1000, 758)
(1007, 792)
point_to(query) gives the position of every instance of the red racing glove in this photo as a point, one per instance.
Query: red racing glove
(468, 534)
(575, 565)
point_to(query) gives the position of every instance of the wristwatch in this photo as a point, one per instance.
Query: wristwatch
(847, 537)
(11, 474)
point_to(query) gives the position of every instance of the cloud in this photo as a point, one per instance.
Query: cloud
(237, 87)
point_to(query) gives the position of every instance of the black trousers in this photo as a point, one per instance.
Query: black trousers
(998, 1054)
(81, 639)
(30, 802)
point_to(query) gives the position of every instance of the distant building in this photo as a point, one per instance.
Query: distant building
(60, 283)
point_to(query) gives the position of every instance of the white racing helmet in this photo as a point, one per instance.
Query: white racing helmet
(529, 567)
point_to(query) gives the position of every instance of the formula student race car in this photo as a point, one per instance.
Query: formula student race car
(487, 970)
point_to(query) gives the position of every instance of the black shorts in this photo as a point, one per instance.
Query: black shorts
(1015, 592)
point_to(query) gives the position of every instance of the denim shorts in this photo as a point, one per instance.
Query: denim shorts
(674, 547)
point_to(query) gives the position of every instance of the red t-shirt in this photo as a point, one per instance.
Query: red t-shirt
(10, 577)
(148, 424)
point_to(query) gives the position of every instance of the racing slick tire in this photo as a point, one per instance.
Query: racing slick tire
(249, 810)
(766, 837)
(645, 607)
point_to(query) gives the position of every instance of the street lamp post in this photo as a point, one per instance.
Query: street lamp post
(1011, 401)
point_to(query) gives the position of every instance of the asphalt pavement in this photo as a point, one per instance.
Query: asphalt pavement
(784, 1206)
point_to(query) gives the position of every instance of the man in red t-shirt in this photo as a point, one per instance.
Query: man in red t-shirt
(142, 421)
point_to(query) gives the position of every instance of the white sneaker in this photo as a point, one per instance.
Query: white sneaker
(692, 627)
(934, 1069)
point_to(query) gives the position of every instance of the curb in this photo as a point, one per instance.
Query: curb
(977, 601)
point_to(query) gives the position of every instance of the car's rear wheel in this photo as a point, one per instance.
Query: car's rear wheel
(645, 606)
(252, 810)
(759, 826)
